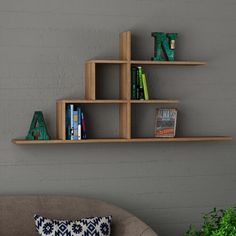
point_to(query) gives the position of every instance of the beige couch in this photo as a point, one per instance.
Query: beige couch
(16, 214)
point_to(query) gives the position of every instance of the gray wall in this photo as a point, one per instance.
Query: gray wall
(43, 45)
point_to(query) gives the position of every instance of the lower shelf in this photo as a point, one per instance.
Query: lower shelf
(120, 140)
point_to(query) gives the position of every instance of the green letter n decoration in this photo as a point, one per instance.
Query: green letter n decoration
(38, 130)
(166, 42)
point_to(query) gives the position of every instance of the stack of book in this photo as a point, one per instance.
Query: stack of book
(75, 123)
(139, 88)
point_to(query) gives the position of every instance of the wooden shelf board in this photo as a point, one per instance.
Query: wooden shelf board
(91, 101)
(58, 141)
(162, 101)
(153, 101)
(117, 140)
(184, 139)
(184, 63)
(107, 61)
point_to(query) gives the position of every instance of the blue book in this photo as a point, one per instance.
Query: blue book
(71, 121)
(68, 128)
(75, 119)
(79, 123)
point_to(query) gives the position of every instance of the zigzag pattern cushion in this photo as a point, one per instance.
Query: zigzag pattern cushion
(94, 226)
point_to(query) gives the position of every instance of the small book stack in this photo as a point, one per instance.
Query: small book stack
(75, 123)
(139, 88)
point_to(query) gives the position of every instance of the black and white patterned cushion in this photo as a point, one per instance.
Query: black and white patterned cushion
(94, 226)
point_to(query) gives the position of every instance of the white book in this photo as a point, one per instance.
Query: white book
(79, 123)
(79, 131)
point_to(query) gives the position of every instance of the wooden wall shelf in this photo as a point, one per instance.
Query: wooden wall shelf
(124, 102)
(120, 140)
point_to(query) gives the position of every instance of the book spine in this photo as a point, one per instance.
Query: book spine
(141, 92)
(133, 82)
(137, 85)
(145, 89)
(75, 119)
(84, 135)
(71, 121)
(79, 123)
(68, 128)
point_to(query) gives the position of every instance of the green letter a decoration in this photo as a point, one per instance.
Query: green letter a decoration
(38, 128)
(168, 47)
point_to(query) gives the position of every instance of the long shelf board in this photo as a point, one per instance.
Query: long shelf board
(118, 140)
(91, 101)
(184, 139)
(154, 101)
(184, 63)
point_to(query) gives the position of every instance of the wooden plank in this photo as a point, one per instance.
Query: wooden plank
(125, 121)
(184, 139)
(60, 120)
(124, 86)
(111, 61)
(124, 92)
(108, 61)
(90, 80)
(109, 101)
(185, 63)
(125, 45)
(116, 140)
(153, 101)
(56, 141)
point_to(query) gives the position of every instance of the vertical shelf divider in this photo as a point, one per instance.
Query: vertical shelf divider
(90, 80)
(61, 120)
(125, 109)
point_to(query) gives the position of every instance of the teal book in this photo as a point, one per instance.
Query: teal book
(141, 91)
(68, 120)
(133, 82)
(145, 89)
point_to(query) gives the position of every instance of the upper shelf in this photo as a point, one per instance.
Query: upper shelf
(125, 56)
(146, 62)
(184, 63)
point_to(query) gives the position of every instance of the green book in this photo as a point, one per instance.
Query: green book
(145, 89)
(133, 82)
(141, 91)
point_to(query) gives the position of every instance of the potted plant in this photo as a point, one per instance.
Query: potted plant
(220, 222)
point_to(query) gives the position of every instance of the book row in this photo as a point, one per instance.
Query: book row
(139, 89)
(75, 123)
(165, 125)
